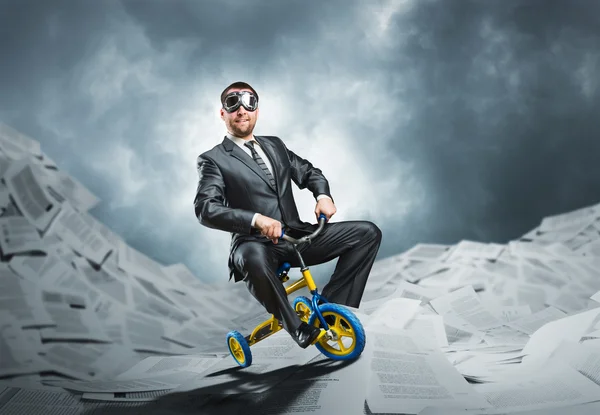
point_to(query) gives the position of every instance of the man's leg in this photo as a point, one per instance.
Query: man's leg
(258, 262)
(356, 243)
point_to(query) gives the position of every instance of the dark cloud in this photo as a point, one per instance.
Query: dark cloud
(251, 28)
(503, 130)
(458, 119)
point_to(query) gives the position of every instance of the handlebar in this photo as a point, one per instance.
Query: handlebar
(307, 238)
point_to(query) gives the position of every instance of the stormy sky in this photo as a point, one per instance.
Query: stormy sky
(438, 120)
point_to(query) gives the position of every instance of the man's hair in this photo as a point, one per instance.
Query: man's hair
(240, 85)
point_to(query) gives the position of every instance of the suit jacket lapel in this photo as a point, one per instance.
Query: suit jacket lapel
(242, 156)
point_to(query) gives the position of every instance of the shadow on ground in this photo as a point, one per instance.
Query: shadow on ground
(291, 383)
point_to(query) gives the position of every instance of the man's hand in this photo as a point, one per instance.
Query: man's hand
(326, 207)
(268, 227)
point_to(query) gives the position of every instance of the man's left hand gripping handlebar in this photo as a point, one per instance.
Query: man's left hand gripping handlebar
(326, 207)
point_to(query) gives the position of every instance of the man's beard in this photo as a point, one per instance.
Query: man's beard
(241, 132)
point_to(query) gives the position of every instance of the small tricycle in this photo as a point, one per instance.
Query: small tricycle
(342, 335)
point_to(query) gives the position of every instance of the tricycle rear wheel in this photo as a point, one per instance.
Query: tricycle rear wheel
(239, 348)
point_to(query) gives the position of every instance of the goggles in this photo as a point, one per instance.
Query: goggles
(233, 101)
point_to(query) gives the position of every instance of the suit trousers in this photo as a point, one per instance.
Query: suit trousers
(356, 243)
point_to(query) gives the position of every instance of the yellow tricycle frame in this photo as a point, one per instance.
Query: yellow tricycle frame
(271, 326)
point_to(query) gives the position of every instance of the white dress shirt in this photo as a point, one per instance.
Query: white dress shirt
(240, 142)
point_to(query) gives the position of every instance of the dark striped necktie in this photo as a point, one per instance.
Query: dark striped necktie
(260, 162)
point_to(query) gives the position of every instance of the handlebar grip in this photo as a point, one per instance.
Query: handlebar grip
(322, 216)
(282, 232)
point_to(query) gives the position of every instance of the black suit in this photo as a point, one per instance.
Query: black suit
(232, 188)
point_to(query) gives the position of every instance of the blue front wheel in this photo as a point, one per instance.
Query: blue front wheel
(348, 335)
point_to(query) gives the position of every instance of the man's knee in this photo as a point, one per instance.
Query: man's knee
(250, 260)
(372, 231)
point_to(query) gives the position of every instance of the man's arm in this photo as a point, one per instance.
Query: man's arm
(209, 203)
(305, 175)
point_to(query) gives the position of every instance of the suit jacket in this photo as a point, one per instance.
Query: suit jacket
(232, 188)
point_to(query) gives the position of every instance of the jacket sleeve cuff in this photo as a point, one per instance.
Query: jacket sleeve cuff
(254, 219)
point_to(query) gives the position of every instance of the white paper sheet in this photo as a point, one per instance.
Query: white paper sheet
(180, 275)
(155, 365)
(413, 381)
(578, 217)
(18, 355)
(529, 324)
(82, 238)
(273, 359)
(429, 330)
(73, 324)
(31, 198)
(145, 396)
(145, 333)
(135, 263)
(105, 282)
(321, 386)
(473, 249)
(4, 191)
(395, 313)
(73, 320)
(460, 336)
(529, 250)
(464, 303)
(22, 300)
(553, 385)
(148, 298)
(547, 338)
(17, 235)
(151, 383)
(418, 271)
(74, 360)
(36, 269)
(592, 408)
(69, 189)
(505, 335)
(583, 357)
(152, 374)
(512, 313)
(26, 144)
(568, 301)
(427, 252)
(197, 332)
(401, 289)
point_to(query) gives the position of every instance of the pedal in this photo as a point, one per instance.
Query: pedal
(322, 334)
(282, 272)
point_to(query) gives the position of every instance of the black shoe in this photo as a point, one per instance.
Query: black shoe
(306, 334)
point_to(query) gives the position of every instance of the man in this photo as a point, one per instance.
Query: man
(244, 188)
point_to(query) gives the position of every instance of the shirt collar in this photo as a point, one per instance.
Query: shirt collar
(239, 141)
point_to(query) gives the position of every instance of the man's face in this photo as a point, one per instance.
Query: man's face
(241, 121)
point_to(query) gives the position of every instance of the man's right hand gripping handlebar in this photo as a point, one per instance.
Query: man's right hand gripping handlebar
(272, 229)
(268, 227)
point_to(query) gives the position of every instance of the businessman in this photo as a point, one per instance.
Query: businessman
(245, 188)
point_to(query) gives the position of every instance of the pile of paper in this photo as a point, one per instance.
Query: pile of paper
(76, 302)
(90, 325)
(519, 322)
